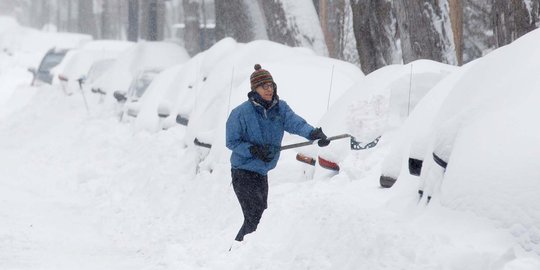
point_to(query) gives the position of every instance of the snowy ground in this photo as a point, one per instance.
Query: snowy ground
(80, 190)
(86, 192)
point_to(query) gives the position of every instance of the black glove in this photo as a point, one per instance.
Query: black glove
(264, 152)
(318, 134)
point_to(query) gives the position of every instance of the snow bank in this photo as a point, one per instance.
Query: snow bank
(144, 55)
(493, 158)
(378, 104)
(309, 83)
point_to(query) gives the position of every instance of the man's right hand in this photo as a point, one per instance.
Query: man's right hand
(263, 152)
(318, 134)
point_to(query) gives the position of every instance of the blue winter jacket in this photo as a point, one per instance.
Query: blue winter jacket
(251, 124)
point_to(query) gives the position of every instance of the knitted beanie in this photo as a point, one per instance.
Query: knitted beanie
(260, 76)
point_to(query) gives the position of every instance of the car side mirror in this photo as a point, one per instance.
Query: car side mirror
(120, 96)
(32, 70)
(81, 80)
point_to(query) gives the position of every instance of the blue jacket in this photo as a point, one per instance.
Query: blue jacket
(252, 124)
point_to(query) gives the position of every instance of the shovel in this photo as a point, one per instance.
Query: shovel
(355, 145)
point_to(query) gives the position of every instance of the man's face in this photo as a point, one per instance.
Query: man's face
(266, 91)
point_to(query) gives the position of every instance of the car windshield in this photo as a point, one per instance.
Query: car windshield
(140, 83)
(98, 69)
(51, 60)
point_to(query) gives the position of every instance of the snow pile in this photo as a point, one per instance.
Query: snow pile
(479, 121)
(16, 38)
(413, 138)
(142, 56)
(177, 91)
(307, 82)
(21, 48)
(86, 192)
(78, 62)
(378, 104)
(493, 160)
(148, 118)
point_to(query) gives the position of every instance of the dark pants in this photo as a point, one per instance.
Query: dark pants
(251, 190)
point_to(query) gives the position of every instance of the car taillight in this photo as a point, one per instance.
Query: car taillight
(328, 164)
(305, 159)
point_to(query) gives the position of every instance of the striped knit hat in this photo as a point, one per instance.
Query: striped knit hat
(260, 76)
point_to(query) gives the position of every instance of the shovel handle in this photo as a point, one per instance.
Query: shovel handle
(296, 145)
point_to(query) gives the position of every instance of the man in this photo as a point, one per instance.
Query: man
(254, 132)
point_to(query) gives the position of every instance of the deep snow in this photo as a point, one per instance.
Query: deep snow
(84, 191)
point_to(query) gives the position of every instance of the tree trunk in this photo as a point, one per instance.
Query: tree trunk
(87, 23)
(478, 28)
(152, 27)
(133, 20)
(329, 38)
(152, 19)
(276, 23)
(425, 30)
(456, 18)
(233, 21)
(6, 7)
(192, 31)
(282, 26)
(375, 31)
(512, 19)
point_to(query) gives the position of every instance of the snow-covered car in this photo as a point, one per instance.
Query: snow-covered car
(141, 56)
(480, 147)
(42, 74)
(300, 75)
(375, 105)
(402, 157)
(128, 101)
(96, 70)
(78, 62)
(154, 105)
(171, 99)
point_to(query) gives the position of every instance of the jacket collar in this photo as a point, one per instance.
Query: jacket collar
(257, 100)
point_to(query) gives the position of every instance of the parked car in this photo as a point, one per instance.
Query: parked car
(142, 56)
(170, 99)
(377, 104)
(128, 100)
(42, 74)
(301, 76)
(155, 104)
(78, 62)
(96, 70)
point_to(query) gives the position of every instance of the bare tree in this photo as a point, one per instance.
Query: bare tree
(192, 31)
(39, 12)
(108, 27)
(425, 30)
(513, 18)
(87, 21)
(282, 27)
(375, 33)
(456, 19)
(152, 19)
(133, 20)
(477, 29)
(233, 20)
(276, 23)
